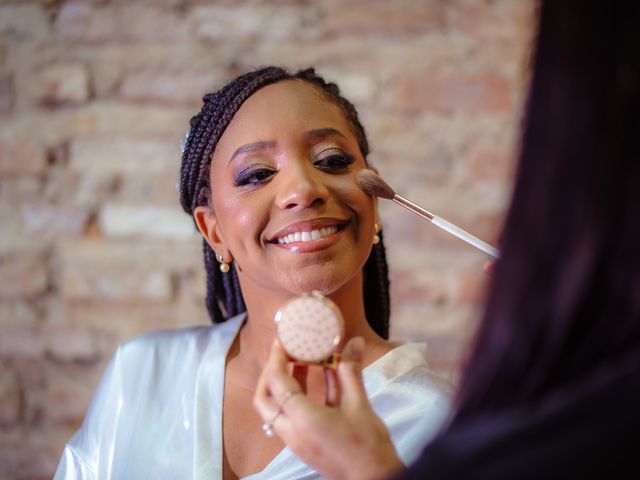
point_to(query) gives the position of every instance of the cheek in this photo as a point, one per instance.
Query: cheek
(347, 190)
(239, 217)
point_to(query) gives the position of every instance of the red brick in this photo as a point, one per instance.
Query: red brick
(120, 220)
(21, 157)
(55, 342)
(22, 276)
(22, 343)
(24, 21)
(21, 312)
(6, 92)
(119, 154)
(169, 87)
(491, 162)
(54, 220)
(382, 17)
(163, 255)
(69, 388)
(149, 22)
(472, 285)
(418, 284)
(461, 93)
(29, 455)
(71, 344)
(81, 21)
(17, 191)
(501, 21)
(224, 22)
(10, 398)
(67, 403)
(120, 283)
(62, 84)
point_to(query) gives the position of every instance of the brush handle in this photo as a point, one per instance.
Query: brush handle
(447, 226)
(464, 235)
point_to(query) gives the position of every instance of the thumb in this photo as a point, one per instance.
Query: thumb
(350, 374)
(354, 350)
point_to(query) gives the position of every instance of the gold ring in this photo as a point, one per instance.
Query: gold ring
(286, 397)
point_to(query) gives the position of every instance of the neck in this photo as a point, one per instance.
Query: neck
(257, 334)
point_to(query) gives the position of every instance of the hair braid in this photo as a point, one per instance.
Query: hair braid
(376, 289)
(224, 296)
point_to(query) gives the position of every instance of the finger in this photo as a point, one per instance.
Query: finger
(262, 397)
(332, 396)
(273, 380)
(353, 351)
(350, 375)
(279, 382)
(490, 267)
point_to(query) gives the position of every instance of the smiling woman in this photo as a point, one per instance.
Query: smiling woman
(268, 175)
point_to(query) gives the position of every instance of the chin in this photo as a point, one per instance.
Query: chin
(324, 282)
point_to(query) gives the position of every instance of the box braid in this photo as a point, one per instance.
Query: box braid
(224, 297)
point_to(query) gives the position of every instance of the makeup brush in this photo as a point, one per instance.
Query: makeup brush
(371, 183)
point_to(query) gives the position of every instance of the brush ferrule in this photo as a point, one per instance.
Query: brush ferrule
(413, 207)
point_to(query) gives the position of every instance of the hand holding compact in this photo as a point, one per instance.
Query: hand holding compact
(344, 441)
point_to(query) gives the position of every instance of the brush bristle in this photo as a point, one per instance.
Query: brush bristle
(371, 183)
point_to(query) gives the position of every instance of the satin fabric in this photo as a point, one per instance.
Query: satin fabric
(157, 413)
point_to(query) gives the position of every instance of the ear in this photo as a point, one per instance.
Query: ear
(209, 229)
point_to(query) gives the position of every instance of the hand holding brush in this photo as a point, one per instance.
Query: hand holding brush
(374, 185)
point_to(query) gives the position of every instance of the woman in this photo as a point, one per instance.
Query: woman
(268, 174)
(552, 386)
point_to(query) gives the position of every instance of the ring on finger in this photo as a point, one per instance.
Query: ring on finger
(286, 397)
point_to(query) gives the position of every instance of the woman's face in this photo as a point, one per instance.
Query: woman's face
(285, 202)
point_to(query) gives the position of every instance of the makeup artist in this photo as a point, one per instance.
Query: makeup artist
(552, 386)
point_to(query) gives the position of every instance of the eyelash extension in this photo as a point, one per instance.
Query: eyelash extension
(251, 176)
(248, 177)
(339, 161)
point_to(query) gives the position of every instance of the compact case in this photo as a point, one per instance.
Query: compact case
(310, 328)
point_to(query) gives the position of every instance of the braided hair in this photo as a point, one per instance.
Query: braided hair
(224, 297)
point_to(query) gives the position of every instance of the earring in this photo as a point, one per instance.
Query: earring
(376, 237)
(224, 266)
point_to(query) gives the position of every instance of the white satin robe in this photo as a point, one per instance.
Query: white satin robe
(157, 413)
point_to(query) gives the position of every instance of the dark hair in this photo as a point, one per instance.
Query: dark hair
(224, 297)
(565, 297)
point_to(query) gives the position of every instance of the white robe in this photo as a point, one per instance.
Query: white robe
(157, 413)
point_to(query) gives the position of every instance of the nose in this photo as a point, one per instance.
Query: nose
(301, 187)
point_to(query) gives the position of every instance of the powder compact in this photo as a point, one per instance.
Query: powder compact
(310, 328)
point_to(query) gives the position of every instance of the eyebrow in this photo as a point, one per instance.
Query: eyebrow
(252, 147)
(323, 133)
(263, 145)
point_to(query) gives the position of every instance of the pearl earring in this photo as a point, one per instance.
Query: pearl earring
(224, 266)
(376, 237)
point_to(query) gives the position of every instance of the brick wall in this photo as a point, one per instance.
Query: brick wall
(94, 96)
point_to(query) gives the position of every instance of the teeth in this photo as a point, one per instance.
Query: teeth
(308, 236)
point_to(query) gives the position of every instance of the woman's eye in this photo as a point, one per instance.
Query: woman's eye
(334, 161)
(255, 176)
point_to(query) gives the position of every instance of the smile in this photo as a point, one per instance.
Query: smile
(307, 236)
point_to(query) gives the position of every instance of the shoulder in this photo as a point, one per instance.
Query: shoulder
(408, 397)
(406, 365)
(178, 345)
